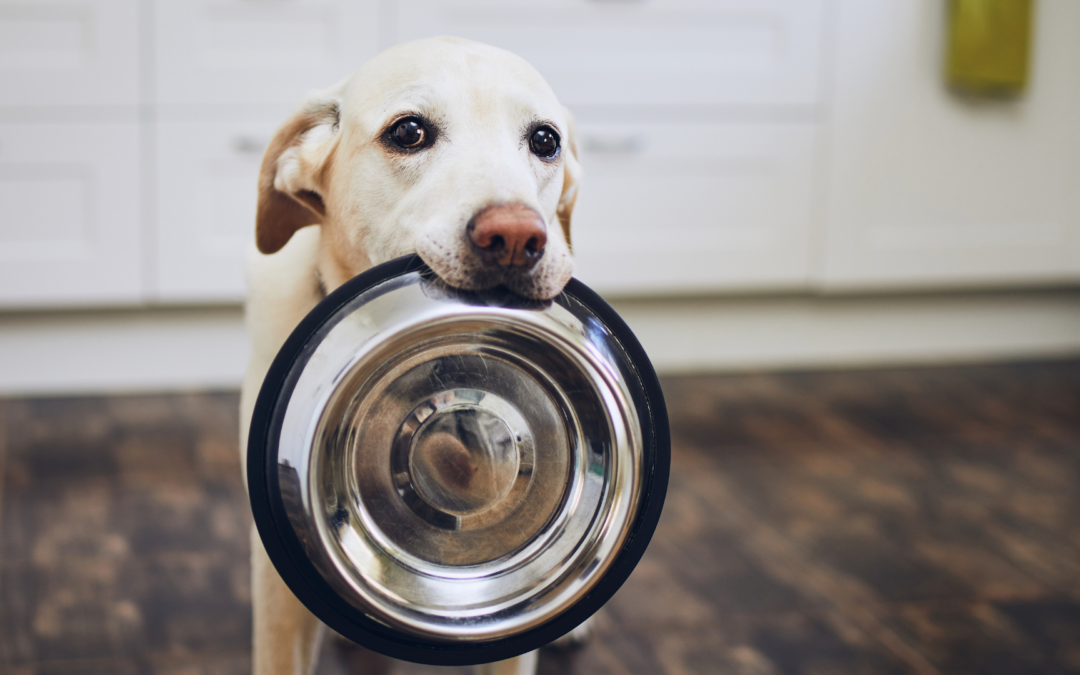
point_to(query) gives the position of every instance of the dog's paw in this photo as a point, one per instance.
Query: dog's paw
(349, 658)
(574, 639)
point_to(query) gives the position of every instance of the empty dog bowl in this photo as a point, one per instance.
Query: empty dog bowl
(454, 477)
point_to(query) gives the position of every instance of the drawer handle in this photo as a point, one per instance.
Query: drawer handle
(249, 145)
(613, 145)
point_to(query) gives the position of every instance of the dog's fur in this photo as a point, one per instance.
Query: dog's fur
(337, 197)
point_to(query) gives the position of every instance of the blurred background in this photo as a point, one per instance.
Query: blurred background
(774, 189)
(798, 175)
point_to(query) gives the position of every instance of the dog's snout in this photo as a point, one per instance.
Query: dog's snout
(509, 235)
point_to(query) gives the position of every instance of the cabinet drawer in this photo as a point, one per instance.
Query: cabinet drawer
(232, 51)
(206, 195)
(69, 215)
(650, 52)
(694, 207)
(69, 52)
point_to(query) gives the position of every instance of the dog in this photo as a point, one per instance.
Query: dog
(454, 150)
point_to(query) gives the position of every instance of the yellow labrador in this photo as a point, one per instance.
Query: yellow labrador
(454, 150)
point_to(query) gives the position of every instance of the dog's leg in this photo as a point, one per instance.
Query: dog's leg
(284, 287)
(575, 638)
(286, 635)
(521, 665)
(360, 660)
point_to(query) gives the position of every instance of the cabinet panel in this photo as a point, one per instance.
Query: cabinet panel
(694, 207)
(206, 197)
(69, 215)
(69, 52)
(232, 51)
(649, 52)
(929, 188)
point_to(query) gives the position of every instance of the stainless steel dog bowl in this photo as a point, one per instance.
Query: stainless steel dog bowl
(451, 477)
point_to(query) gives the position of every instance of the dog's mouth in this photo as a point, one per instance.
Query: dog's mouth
(498, 295)
(476, 275)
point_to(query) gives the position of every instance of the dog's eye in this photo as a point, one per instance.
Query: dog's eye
(544, 142)
(409, 133)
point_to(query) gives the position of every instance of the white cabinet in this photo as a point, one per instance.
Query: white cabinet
(675, 52)
(726, 144)
(928, 189)
(672, 203)
(70, 220)
(71, 191)
(206, 194)
(245, 52)
(219, 64)
(675, 203)
(694, 207)
(69, 52)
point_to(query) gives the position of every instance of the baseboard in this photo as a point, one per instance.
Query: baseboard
(688, 336)
(89, 352)
(170, 349)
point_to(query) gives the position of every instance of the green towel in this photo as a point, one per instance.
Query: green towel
(989, 43)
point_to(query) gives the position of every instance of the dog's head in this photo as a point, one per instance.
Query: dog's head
(451, 149)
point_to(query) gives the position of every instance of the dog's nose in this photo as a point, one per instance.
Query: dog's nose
(509, 235)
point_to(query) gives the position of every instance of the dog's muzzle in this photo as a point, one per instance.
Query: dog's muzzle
(451, 477)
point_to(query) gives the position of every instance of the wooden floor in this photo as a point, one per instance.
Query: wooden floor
(894, 521)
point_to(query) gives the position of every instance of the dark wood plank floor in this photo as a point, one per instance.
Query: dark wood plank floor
(894, 521)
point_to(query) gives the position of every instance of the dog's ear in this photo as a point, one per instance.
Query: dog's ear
(571, 176)
(292, 175)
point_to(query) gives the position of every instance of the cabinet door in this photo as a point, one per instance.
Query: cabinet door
(694, 207)
(70, 215)
(928, 188)
(206, 194)
(643, 52)
(69, 52)
(237, 51)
